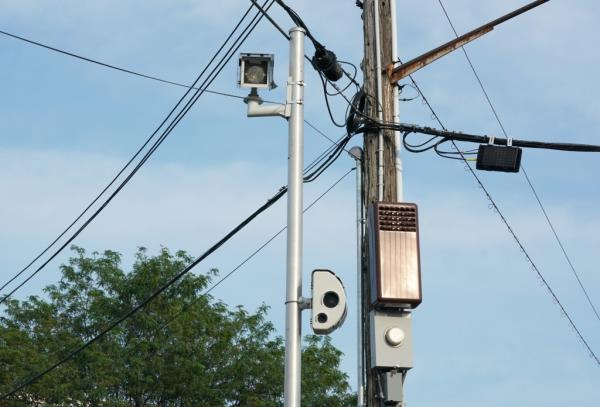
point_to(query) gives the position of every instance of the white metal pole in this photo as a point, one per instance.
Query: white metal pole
(357, 154)
(293, 319)
(396, 104)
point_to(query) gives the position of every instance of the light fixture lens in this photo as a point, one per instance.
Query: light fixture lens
(256, 73)
(394, 337)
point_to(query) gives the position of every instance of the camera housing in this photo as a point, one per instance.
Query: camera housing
(256, 71)
(329, 305)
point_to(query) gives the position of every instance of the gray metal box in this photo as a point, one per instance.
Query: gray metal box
(393, 388)
(385, 324)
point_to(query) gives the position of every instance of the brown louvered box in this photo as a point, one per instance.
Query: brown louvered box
(394, 255)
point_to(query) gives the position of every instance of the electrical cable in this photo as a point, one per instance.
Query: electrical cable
(324, 81)
(479, 139)
(110, 66)
(146, 301)
(221, 64)
(280, 193)
(528, 258)
(136, 154)
(103, 64)
(249, 257)
(298, 21)
(533, 190)
(489, 197)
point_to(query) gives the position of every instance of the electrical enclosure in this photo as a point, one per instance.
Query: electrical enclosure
(394, 258)
(386, 355)
(498, 158)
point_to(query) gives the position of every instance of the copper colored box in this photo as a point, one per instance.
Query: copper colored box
(394, 260)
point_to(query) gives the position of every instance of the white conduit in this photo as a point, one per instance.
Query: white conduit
(396, 102)
(380, 165)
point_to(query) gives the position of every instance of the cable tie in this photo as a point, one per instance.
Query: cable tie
(509, 142)
(491, 140)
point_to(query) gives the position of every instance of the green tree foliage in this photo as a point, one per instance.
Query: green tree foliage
(183, 349)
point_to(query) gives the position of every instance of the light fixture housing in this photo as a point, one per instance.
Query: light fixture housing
(256, 71)
(499, 158)
(394, 258)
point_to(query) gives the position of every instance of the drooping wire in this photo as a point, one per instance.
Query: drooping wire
(146, 301)
(151, 77)
(514, 235)
(136, 154)
(111, 66)
(298, 21)
(324, 81)
(186, 307)
(527, 178)
(211, 77)
(280, 193)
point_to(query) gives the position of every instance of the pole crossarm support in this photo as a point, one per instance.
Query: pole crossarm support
(396, 73)
(473, 138)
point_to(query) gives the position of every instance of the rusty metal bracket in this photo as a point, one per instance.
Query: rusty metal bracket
(395, 73)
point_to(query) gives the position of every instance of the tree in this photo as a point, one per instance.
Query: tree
(183, 349)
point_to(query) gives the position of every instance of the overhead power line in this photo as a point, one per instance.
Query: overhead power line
(110, 66)
(527, 178)
(165, 133)
(155, 294)
(559, 146)
(103, 64)
(496, 209)
(249, 257)
(324, 164)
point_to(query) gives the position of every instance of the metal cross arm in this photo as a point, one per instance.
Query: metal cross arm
(395, 73)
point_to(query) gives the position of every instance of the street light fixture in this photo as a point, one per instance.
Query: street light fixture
(256, 71)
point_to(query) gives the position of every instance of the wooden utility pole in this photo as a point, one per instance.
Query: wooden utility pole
(369, 67)
(371, 162)
(381, 171)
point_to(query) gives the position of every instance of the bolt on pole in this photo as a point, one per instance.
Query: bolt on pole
(293, 319)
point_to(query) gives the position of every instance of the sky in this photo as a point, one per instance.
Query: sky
(487, 333)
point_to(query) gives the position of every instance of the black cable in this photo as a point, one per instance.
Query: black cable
(145, 144)
(479, 139)
(407, 144)
(298, 21)
(282, 191)
(335, 123)
(137, 153)
(323, 80)
(419, 148)
(330, 160)
(352, 79)
(449, 154)
(562, 247)
(145, 302)
(110, 66)
(271, 20)
(533, 190)
(236, 45)
(528, 258)
(247, 259)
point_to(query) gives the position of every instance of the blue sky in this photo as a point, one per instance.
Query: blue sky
(487, 332)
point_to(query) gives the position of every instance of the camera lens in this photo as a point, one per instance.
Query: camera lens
(331, 299)
(322, 318)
